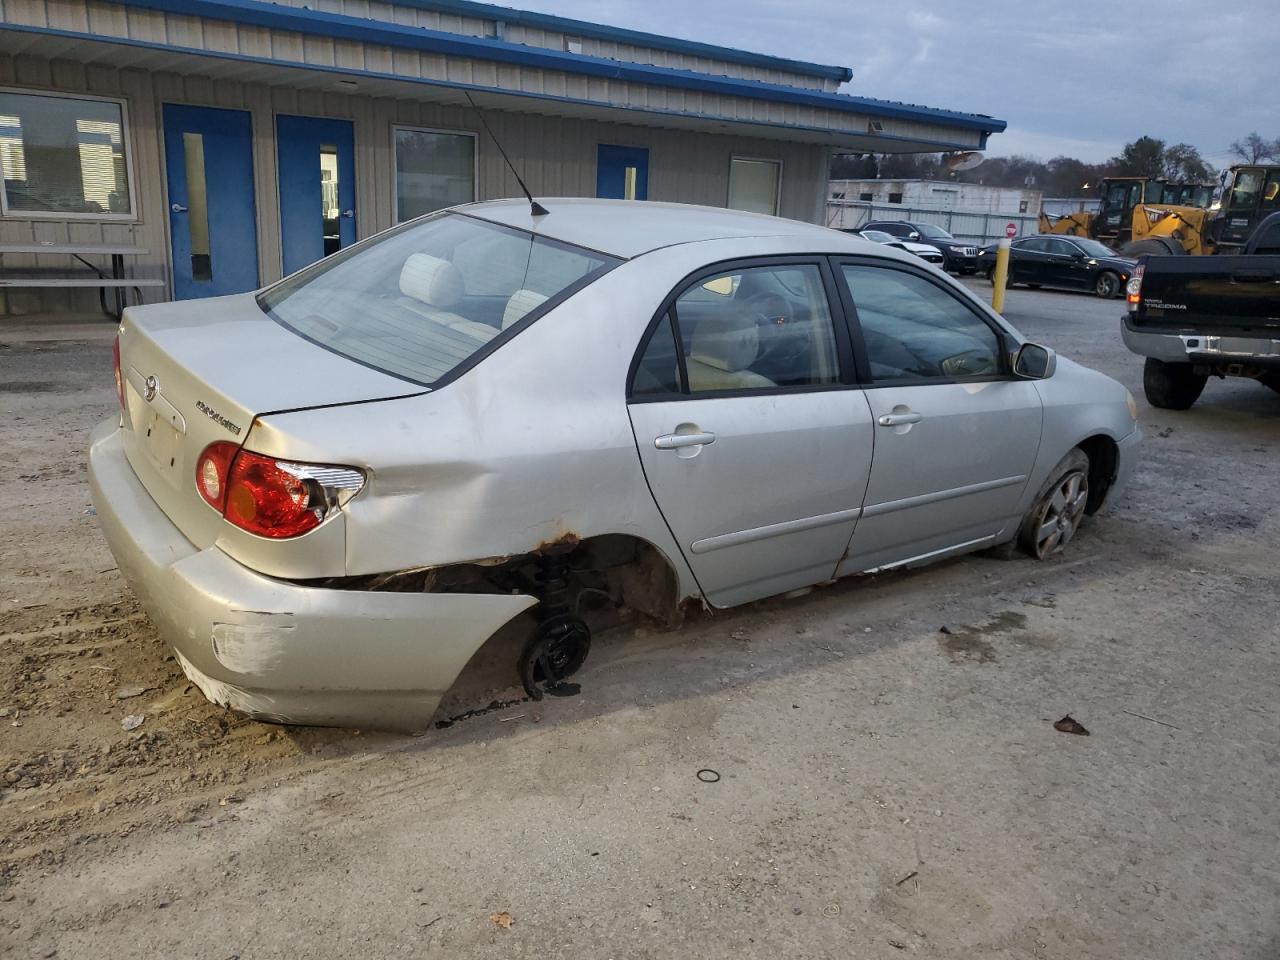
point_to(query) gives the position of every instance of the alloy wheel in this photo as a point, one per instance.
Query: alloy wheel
(1061, 514)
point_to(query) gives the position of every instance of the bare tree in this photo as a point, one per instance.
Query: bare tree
(1255, 149)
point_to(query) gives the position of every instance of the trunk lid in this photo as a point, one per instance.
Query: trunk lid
(200, 371)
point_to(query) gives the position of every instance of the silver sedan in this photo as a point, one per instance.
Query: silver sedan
(331, 493)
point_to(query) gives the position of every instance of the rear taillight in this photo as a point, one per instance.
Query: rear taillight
(269, 497)
(212, 470)
(1133, 290)
(115, 361)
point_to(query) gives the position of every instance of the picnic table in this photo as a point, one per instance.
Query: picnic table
(117, 282)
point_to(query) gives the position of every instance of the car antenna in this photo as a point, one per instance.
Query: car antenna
(535, 208)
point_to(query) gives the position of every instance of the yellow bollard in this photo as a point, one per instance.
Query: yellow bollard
(1001, 276)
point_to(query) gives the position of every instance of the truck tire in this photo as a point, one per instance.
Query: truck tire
(1271, 380)
(1171, 386)
(1156, 246)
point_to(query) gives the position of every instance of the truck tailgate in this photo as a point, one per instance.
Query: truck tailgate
(1235, 294)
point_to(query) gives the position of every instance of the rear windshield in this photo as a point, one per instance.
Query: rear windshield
(420, 301)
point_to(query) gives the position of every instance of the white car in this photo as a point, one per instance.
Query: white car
(924, 251)
(331, 493)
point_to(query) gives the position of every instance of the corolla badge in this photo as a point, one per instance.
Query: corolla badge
(150, 387)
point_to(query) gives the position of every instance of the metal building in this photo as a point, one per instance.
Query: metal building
(235, 141)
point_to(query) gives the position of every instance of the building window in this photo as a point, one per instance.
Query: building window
(64, 157)
(753, 185)
(895, 198)
(866, 196)
(434, 169)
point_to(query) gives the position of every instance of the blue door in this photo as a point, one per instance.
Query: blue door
(622, 173)
(316, 159)
(212, 223)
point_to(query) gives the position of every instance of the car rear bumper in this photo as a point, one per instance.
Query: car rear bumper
(277, 650)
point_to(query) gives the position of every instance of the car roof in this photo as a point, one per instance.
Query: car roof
(627, 228)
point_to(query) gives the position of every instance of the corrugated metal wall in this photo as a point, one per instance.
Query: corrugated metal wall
(108, 20)
(557, 156)
(556, 40)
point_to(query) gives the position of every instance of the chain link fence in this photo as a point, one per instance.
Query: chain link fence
(979, 228)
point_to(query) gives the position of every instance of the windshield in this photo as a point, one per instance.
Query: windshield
(1093, 248)
(420, 300)
(933, 233)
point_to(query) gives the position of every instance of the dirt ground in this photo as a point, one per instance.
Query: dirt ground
(885, 788)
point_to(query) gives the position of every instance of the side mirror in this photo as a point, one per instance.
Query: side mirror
(1034, 362)
(913, 235)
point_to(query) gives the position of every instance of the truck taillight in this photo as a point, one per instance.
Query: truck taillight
(115, 361)
(269, 497)
(1133, 291)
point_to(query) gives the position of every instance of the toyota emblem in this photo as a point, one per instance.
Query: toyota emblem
(150, 387)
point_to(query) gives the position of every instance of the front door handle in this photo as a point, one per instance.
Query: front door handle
(348, 213)
(177, 208)
(899, 419)
(674, 441)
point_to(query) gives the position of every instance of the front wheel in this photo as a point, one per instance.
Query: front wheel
(1107, 285)
(1058, 509)
(1171, 386)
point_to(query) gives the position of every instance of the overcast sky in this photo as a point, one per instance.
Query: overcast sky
(1080, 78)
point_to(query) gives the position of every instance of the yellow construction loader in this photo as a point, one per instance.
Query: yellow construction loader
(1139, 215)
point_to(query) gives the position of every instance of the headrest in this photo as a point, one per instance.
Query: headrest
(727, 342)
(431, 280)
(521, 302)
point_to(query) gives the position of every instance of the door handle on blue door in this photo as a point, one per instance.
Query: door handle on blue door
(348, 213)
(899, 419)
(674, 441)
(177, 208)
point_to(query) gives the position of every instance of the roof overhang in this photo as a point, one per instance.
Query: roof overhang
(939, 132)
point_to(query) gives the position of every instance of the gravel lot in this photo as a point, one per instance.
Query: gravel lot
(885, 789)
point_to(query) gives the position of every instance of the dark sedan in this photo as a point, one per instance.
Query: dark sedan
(1072, 263)
(961, 255)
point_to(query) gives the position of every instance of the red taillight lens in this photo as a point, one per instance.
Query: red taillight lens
(271, 502)
(115, 361)
(212, 470)
(269, 497)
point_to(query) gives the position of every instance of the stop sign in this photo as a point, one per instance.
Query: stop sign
(1010, 230)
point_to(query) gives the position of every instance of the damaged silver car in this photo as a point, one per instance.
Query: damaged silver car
(331, 493)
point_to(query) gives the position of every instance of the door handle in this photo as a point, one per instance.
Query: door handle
(177, 208)
(899, 419)
(348, 213)
(674, 441)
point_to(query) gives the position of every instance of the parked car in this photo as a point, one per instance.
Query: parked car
(1197, 317)
(331, 493)
(926, 252)
(1070, 263)
(961, 257)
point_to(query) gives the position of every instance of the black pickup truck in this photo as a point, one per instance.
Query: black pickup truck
(1197, 317)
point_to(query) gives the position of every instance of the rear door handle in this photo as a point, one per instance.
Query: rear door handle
(674, 441)
(898, 419)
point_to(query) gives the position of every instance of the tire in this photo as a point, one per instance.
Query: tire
(1107, 286)
(1058, 509)
(1156, 246)
(1171, 386)
(1271, 380)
